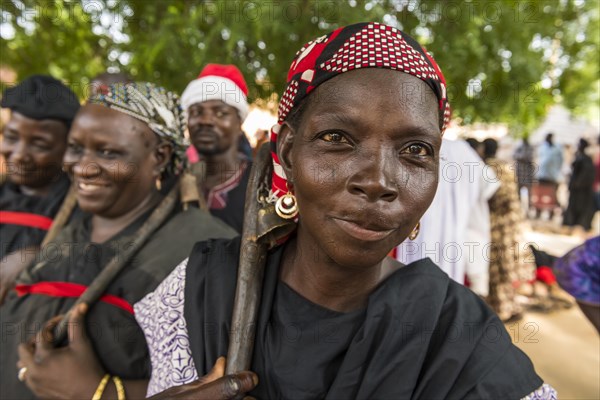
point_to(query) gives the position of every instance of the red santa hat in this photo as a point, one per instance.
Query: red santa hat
(218, 82)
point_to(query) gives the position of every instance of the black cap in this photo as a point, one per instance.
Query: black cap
(42, 97)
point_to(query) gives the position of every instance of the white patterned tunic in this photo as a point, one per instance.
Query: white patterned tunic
(160, 314)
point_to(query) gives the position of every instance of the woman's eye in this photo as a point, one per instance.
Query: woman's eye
(334, 137)
(9, 138)
(74, 148)
(417, 150)
(107, 153)
(42, 146)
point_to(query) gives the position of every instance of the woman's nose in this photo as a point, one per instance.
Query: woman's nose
(18, 153)
(376, 180)
(84, 166)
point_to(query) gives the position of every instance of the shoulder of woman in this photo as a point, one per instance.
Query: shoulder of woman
(214, 254)
(424, 267)
(185, 228)
(420, 279)
(173, 241)
(212, 264)
(496, 367)
(466, 302)
(455, 303)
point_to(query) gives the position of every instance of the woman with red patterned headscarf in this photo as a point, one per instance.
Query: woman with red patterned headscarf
(355, 160)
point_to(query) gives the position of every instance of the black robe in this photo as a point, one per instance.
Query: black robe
(117, 339)
(581, 208)
(17, 236)
(421, 336)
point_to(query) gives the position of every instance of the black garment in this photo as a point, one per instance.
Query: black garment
(244, 146)
(14, 237)
(581, 208)
(118, 340)
(422, 336)
(233, 213)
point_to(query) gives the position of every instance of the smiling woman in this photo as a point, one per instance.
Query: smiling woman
(121, 143)
(115, 161)
(355, 159)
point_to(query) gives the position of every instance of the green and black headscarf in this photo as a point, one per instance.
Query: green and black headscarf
(154, 105)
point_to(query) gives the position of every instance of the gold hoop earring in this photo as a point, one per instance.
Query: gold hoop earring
(415, 232)
(286, 206)
(158, 181)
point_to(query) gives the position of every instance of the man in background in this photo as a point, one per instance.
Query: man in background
(216, 105)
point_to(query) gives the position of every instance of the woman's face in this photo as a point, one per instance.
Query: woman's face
(33, 150)
(113, 159)
(363, 163)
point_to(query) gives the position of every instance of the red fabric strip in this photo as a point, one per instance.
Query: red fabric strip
(545, 274)
(25, 219)
(66, 289)
(394, 253)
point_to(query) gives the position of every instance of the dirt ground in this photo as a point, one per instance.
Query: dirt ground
(563, 344)
(565, 350)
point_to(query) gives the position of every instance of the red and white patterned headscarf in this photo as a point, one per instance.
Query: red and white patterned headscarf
(363, 45)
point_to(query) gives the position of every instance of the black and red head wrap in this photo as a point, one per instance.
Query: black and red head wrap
(363, 45)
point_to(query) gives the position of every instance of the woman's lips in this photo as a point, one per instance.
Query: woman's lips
(359, 232)
(89, 188)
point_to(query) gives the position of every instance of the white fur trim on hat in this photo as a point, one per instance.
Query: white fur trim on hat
(215, 88)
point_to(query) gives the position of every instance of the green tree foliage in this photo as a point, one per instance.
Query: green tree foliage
(504, 60)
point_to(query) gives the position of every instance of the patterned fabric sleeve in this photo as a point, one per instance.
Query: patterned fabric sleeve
(545, 392)
(160, 315)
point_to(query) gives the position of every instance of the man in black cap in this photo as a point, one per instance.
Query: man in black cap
(33, 144)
